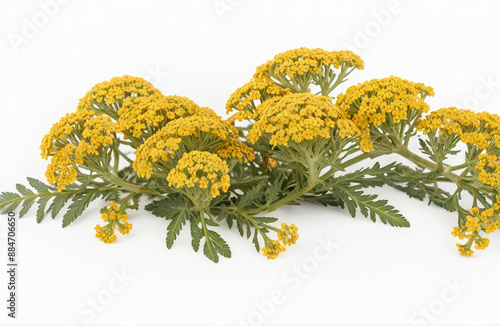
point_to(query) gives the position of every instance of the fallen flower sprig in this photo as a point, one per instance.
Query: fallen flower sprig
(298, 143)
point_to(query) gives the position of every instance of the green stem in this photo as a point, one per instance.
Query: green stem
(312, 181)
(256, 226)
(423, 163)
(203, 225)
(116, 160)
(125, 156)
(356, 159)
(51, 194)
(458, 167)
(340, 78)
(460, 181)
(273, 228)
(129, 186)
(125, 200)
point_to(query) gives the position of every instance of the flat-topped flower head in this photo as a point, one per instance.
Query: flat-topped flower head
(246, 98)
(195, 125)
(288, 234)
(303, 60)
(143, 116)
(108, 96)
(481, 220)
(68, 130)
(480, 129)
(458, 232)
(482, 243)
(106, 234)
(296, 69)
(297, 117)
(155, 149)
(464, 250)
(62, 168)
(76, 136)
(196, 132)
(489, 170)
(380, 102)
(116, 218)
(472, 224)
(200, 172)
(273, 249)
(235, 149)
(98, 133)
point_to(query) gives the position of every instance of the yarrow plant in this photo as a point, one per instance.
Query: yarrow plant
(290, 138)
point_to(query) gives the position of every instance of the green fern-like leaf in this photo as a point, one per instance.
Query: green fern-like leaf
(58, 203)
(40, 212)
(253, 197)
(39, 186)
(80, 202)
(174, 227)
(215, 245)
(196, 235)
(9, 201)
(178, 210)
(27, 204)
(169, 207)
(374, 176)
(26, 197)
(369, 206)
(255, 240)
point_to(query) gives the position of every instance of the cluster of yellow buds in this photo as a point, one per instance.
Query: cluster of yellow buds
(287, 235)
(116, 218)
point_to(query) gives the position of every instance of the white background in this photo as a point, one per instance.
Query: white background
(204, 50)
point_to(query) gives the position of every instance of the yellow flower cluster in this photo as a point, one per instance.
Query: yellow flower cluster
(202, 169)
(116, 218)
(288, 234)
(208, 131)
(487, 220)
(273, 249)
(489, 170)
(482, 243)
(98, 132)
(244, 99)
(151, 151)
(61, 169)
(105, 234)
(303, 60)
(67, 129)
(472, 224)
(298, 117)
(116, 89)
(196, 125)
(464, 251)
(480, 129)
(235, 116)
(70, 140)
(141, 115)
(379, 100)
(233, 148)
